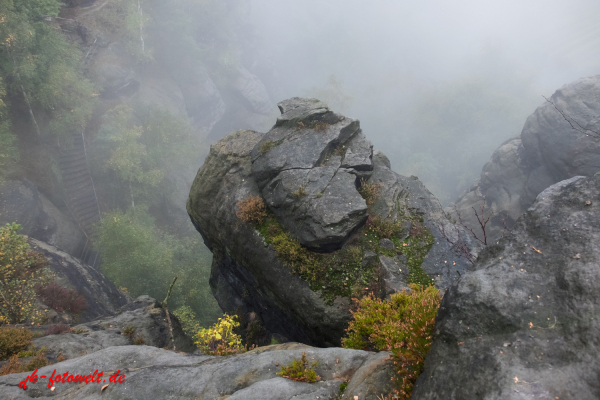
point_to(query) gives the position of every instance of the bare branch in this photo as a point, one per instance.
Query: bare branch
(571, 121)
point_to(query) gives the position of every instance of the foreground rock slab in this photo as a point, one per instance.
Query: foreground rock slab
(152, 373)
(526, 323)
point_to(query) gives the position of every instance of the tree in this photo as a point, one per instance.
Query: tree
(20, 271)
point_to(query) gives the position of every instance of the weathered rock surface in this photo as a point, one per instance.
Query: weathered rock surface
(102, 297)
(247, 276)
(301, 177)
(21, 202)
(143, 313)
(547, 151)
(525, 323)
(152, 373)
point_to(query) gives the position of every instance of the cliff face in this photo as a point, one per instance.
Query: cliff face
(310, 168)
(548, 151)
(524, 324)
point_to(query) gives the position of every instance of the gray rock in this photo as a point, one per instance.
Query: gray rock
(547, 151)
(394, 273)
(246, 275)
(253, 92)
(101, 296)
(148, 318)
(311, 189)
(152, 373)
(21, 202)
(387, 244)
(368, 256)
(524, 323)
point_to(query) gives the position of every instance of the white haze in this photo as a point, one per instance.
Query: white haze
(395, 58)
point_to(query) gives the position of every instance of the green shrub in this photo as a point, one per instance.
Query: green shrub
(129, 330)
(20, 271)
(403, 325)
(369, 191)
(137, 255)
(219, 340)
(188, 319)
(13, 341)
(300, 370)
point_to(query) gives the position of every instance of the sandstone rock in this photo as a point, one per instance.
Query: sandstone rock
(144, 314)
(152, 373)
(547, 151)
(247, 276)
(302, 172)
(21, 202)
(524, 323)
(252, 92)
(102, 297)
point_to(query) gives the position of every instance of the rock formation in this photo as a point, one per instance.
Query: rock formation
(525, 323)
(548, 151)
(21, 202)
(310, 168)
(152, 373)
(102, 297)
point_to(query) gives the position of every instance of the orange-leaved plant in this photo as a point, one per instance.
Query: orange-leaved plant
(252, 210)
(402, 325)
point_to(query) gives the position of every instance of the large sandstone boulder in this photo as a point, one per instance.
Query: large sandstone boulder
(247, 276)
(306, 184)
(548, 151)
(152, 373)
(525, 323)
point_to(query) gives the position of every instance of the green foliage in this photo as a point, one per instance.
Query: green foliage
(188, 319)
(129, 330)
(369, 191)
(140, 257)
(9, 153)
(300, 370)
(141, 156)
(13, 341)
(403, 325)
(36, 58)
(219, 340)
(266, 146)
(20, 271)
(120, 20)
(300, 192)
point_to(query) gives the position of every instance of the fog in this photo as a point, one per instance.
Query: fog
(437, 85)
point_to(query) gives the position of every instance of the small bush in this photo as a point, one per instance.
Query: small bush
(13, 341)
(299, 370)
(383, 228)
(299, 193)
(252, 210)
(369, 191)
(15, 367)
(129, 330)
(219, 340)
(61, 299)
(266, 147)
(57, 329)
(188, 319)
(403, 325)
(139, 340)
